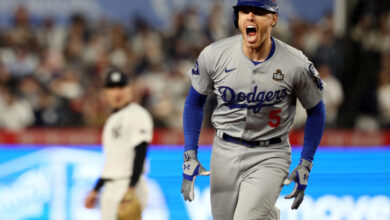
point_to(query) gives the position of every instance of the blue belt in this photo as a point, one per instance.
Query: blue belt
(235, 140)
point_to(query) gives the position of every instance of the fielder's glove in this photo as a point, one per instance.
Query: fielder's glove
(300, 175)
(191, 169)
(130, 207)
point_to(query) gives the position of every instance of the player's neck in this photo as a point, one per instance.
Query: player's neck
(114, 110)
(258, 54)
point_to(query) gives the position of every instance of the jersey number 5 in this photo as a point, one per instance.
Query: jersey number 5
(274, 118)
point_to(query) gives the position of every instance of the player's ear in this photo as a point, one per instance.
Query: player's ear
(274, 19)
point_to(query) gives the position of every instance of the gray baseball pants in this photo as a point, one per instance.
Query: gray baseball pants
(246, 182)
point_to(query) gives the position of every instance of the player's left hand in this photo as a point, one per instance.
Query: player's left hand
(129, 207)
(91, 199)
(191, 169)
(300, 175)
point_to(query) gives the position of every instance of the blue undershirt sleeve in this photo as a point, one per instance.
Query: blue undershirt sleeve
(192, 118)
(314, 128)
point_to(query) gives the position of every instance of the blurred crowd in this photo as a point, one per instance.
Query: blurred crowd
(51, 75)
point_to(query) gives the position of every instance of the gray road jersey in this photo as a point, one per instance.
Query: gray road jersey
(255, 102)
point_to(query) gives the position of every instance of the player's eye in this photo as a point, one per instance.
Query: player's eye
(260, 12)
(247, 10)
(254, 10)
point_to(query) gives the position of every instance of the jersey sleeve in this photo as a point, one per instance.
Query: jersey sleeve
(141, 129)
(308, 86)
(200, 74)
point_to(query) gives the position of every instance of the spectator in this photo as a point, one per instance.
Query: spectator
(384, 91)
(330, 51)
(16, 113)
(217, 26)
(50, 35)
(78, 36)
(56, 70)
(333, 94)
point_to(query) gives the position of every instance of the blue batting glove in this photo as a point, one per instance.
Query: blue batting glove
(191, 169)
(300, 175)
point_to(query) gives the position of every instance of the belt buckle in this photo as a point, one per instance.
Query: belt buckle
(264, 143)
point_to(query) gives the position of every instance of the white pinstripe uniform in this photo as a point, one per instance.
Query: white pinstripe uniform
(123, 131)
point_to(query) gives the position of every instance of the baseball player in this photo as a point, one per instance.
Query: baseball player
(126, 135)
(257, 80)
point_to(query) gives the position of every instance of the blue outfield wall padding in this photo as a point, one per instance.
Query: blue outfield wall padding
(56, 179)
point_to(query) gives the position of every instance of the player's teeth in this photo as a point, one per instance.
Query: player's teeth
(250, 30)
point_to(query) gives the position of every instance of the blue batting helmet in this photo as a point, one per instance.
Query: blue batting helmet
(268, 5)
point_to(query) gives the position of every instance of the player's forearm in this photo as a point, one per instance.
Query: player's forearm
(139, 159)
(99, 184)
(314, 130)
(192, 118)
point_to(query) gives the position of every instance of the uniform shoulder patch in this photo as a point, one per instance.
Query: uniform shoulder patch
(317, 79)
(195, 69)
(313, 71)
(278, 75)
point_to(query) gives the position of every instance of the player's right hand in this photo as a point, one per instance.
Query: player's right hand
(191, 169)
(90, 201)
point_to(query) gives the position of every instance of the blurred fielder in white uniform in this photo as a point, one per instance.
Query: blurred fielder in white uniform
(257, 80)
(126, 135)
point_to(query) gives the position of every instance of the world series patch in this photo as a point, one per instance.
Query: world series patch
(278, 75)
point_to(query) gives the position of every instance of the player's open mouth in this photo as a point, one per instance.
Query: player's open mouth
(251, 33)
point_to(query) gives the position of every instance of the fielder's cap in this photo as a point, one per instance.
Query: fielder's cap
(269, 5)
(116, 78)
